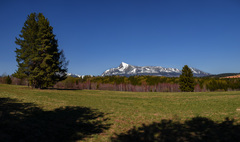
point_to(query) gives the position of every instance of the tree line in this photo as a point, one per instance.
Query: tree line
(148, 83)
(136, 83)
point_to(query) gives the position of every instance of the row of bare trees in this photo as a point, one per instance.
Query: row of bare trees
(201, 84)
(160, 87)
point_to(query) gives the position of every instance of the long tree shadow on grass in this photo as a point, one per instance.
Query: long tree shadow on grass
(27, 122)
(198, 129)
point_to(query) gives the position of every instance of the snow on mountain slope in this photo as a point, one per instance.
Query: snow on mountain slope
(125, 69)
(74, 75)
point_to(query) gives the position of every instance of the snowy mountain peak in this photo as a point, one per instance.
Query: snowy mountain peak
(125, 69)
(74, 75)
(123, 66)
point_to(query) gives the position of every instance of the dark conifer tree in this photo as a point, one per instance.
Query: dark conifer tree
(186, 80)
(8, 80)
(39, 59)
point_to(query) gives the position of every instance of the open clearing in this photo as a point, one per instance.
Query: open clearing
(93, 115)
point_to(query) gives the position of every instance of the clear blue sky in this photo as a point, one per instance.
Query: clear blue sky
(99, 34)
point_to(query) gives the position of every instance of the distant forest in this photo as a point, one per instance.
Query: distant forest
(224, 75)
(138, 83)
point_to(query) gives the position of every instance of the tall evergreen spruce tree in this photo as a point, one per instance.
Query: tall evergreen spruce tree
(39, 59)
(186, 81)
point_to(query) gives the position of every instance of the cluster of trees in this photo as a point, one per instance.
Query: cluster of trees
(136, 83)
(5, 80)
(120, 83)
(12, 80)
(149, 84)
(222, 84)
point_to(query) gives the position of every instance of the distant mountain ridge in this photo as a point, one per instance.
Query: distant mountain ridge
(75, 75)
(125, 69)
(224, 75)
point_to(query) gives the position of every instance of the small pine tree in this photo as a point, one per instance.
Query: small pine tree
(186, 80)
(8, 80)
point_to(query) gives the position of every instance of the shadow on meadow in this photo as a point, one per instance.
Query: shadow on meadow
(198, 129)
(27, 122)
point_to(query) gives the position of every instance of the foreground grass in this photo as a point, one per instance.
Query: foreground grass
(101, 115)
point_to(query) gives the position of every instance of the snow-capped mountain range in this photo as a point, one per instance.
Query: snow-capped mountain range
(125, 69)
(74, 75)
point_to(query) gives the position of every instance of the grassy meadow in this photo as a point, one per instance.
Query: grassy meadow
(91, 115)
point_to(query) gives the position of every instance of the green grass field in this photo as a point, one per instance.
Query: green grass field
(92, 115)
